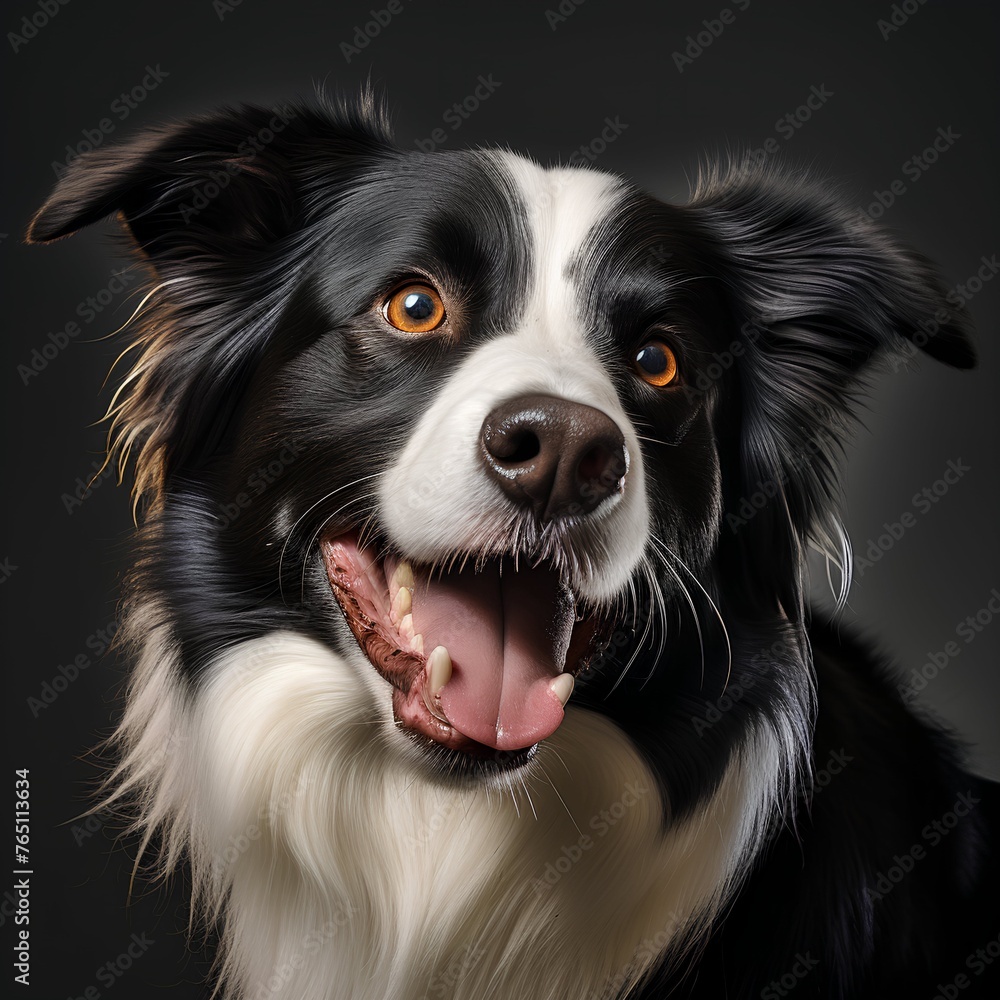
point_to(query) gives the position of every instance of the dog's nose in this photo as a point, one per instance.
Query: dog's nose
(555, 456)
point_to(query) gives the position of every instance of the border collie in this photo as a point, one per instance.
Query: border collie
(472, 649)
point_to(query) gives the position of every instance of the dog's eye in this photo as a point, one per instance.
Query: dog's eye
(656, 363)
(415, 308)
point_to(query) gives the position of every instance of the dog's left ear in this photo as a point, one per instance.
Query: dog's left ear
(835, 284)
(217, 186)
(223, 208)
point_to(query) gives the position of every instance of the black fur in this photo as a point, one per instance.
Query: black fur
(778, 299)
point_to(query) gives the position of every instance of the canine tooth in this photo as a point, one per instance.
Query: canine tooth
(417, 644)
(434, 707)
(401, 604)
(438, 673)
(403, 576)
(438, 669)
(562, 687)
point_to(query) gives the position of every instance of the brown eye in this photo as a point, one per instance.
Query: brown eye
(656, 363)
(415, 308)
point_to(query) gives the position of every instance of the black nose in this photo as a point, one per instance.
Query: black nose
(555, 456)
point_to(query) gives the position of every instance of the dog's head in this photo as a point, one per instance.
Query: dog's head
(475, 410)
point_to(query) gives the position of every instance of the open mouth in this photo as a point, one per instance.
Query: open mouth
(482, 658)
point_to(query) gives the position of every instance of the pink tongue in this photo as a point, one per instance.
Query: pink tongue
(507, 633)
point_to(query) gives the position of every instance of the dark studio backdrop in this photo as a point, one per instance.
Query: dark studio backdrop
(857, 91)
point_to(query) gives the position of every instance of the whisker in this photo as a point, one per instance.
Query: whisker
(691, 605)
(315, 538)
(298, 521)
(524, 785)
(715, 608)
(572, 818)
(640, 645)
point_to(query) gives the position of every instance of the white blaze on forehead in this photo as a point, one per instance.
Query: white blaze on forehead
(564, 206)
(436, 498)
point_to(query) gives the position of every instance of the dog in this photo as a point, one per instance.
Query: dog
(473, 655)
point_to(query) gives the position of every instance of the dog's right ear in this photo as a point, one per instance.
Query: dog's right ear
(222, 184)
(222, 209)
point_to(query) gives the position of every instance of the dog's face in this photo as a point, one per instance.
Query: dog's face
(452, 412)
(480, 363)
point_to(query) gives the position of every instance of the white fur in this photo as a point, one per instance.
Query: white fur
(344, 872)
(437, 499)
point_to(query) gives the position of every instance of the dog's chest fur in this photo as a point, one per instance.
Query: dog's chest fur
(349, 875)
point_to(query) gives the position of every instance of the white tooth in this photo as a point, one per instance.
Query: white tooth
(406, 627)
(401, 604)
(438, 673)
(434, 707)
(403, 576)
(417, 644)
(562, 687)
(438, 670)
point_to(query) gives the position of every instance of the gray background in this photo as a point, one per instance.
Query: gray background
(557, 85)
